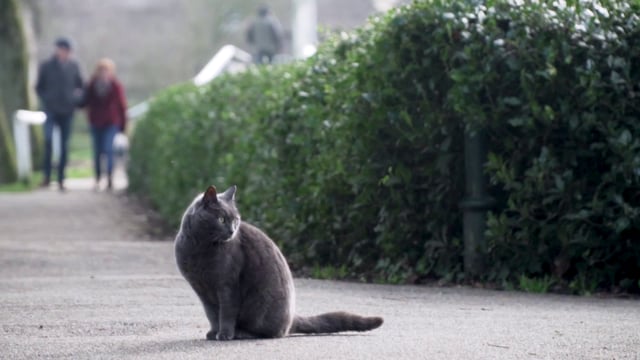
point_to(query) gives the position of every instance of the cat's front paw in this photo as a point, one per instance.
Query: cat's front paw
(211, 335)
(224, 336)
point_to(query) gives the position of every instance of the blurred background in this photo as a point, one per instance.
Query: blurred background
(156, 43)
(359, 151)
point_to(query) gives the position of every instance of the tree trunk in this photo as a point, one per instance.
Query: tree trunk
(7, 151)
(14, 83)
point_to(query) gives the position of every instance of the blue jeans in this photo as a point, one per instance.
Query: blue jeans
(103, 145)
(63, 122)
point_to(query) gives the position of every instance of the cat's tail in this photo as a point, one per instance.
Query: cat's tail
(333, 322)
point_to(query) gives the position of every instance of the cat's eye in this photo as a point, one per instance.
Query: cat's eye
(221, 220)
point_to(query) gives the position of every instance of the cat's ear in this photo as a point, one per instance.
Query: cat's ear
(230, 194)
(210, 196)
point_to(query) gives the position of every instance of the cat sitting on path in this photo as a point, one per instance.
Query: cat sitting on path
(242, 278)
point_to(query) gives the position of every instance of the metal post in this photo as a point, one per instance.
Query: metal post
(23, 148)
(22, 119)
(476, 202)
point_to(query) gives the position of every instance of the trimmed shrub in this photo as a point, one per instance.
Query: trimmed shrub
(353, 159)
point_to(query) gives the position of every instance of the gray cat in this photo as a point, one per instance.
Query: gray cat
(242, 278)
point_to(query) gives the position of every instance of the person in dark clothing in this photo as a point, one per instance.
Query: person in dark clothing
(59, 87)
(107, 110)
(265, 36)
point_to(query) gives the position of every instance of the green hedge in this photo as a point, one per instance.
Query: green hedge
(353, 159)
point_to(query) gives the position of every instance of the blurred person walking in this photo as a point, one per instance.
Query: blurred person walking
(265, 36)
(59, 87)
(107, 114)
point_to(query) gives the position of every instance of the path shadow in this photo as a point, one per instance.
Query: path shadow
(188, 345)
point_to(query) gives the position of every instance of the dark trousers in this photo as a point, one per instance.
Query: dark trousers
(63, 122)
(263, 57)
(103, 145)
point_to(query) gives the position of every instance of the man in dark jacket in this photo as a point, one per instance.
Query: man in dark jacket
(265, 36)
(59, 87)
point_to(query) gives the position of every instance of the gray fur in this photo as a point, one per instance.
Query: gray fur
(242, 278)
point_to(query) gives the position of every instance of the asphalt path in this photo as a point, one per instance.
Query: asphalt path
(81, 278)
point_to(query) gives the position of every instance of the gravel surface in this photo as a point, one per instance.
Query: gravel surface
(81, 278)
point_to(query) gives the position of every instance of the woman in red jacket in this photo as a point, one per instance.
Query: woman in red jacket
(107, 110)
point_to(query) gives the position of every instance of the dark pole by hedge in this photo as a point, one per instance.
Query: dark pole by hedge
(476, 203)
